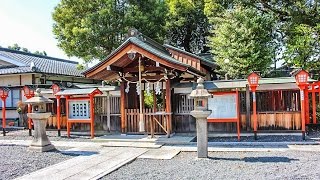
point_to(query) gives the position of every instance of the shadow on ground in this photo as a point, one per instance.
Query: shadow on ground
(272, 159)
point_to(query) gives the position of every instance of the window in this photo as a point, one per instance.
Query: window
(12, 99)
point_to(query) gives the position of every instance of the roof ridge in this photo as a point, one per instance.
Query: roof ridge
(37, 55)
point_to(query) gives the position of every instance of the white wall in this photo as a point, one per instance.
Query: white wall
(14, 80)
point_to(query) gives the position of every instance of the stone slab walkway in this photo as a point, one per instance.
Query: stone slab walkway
(160, 154)
(91, 164)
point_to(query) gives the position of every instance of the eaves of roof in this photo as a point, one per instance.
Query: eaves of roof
(204, 60)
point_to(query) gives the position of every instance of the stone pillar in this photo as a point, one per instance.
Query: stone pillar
(201, 112)
(40, 142)
(202, 132)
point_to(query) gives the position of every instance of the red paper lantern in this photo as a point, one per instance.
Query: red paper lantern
(253, 80)
(302, 77)
(28, 92)
(4, 92)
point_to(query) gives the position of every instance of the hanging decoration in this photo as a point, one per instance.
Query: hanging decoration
(158, 90)
(127, 88)
(138, 89)
(148, 89)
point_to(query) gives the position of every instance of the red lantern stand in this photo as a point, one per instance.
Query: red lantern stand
(56, 89)
(302, 82)
(235, 119)
(4, 94)
(253, 80)
(85, 95)
(29, 93)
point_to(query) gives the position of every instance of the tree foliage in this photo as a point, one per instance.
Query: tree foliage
(299, 23)
(251, 34)
(92, 29)
(187, 25)
(243, 42)
(19, 48)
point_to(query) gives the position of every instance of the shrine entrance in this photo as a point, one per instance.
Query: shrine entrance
(146, 71)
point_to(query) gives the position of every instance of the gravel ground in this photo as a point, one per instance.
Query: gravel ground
(225, 165)
(52, 135)
(16, 161)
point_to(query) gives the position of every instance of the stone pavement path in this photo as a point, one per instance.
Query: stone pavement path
(89, 165)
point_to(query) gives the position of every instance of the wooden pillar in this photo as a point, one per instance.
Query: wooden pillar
(122, 107)
(314, 105)
(58, 115)
(307, 109)
(67, 114)
(91, 115)
(255, 121)
(4, 116)
(303, 120)
(108, 112)
(239, 115)
(154, 110)
(168, 106)
(248, 109)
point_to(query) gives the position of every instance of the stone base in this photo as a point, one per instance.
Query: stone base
(46, 148)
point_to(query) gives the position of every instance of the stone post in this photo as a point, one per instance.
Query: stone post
(201, 112)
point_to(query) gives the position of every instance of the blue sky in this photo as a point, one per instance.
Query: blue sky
(29, 24)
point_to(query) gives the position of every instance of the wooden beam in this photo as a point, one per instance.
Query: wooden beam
(108, 111)
(114, 68)
(149, 69)
(149, 78)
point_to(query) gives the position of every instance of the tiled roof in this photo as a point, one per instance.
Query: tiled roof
(148, 46)
(202, 59)
(42, 64)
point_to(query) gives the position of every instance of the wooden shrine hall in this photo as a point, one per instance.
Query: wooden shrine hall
(146, 71)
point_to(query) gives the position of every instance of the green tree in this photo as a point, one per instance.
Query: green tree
(15, 47)
(43, 53)
(19, 48)
(187, 25)
(92, 29)
(242, 41)
(303, 48)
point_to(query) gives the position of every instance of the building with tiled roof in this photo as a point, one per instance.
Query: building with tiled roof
(18, 69)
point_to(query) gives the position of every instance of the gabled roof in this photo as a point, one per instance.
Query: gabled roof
(22, 62)
(146, 46)
(150, 46)
(203, 60)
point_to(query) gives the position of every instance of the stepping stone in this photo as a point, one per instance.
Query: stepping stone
(159, 154)
(88, 166)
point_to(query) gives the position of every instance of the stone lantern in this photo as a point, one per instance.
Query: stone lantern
(39, 115)
(201, 112)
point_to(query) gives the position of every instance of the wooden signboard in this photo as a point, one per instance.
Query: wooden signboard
(225, 108)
